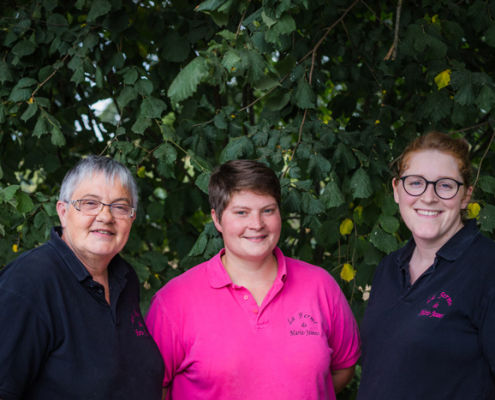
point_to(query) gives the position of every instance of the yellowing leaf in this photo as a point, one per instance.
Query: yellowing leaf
(15, 248)
(346, 227)
(434, 18)
(347, 273)
(141, 172)
(31, 100)
(359, 210)
(443, 79)
(473, 210)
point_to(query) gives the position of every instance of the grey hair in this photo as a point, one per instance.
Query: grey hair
(87, 167)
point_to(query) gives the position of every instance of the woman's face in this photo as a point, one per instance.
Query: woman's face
(431, 220)
(250, 226)
(96, 239)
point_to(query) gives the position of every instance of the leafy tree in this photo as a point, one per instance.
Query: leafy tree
(327, 93)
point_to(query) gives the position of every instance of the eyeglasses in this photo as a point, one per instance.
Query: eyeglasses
(445, 188)
(94, 207)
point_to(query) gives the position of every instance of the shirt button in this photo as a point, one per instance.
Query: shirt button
(100, 291)
(255, 311)
(246, 297)
(91, 285)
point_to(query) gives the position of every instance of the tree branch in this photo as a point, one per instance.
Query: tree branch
(482, 158)
(393, 50)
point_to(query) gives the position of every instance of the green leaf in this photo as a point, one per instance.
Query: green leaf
(18, 95)
(58, 138)
(57, 23)
(98, 8)
(144, 87)
(78, 76)
(490, 35)
(345, 157)
(176, 48)
(328, 234)
(126, 95)
(389, 206)
(487, 184)
(332, 196)
(487, 218)
(186, 82)
(310, 205)
(141, 124)
(210, 5)
(389, 223)
(256, 70)
(304, 96)
(156, 211)
(203, 180)
(321, 164)
(5, 73)
(292, 203)
(383, 241)
(99, 77)
(465, 95)
(152, 107)
(131, 76)
(200, 246)
(236, 148)
(166, 152)
(9, 192)
(24, 202)
(40, 127)
(361, 184)
(24, 48)
(486, 99)
(30, 112)
(278, 100)
(437, 105)
(231, 59)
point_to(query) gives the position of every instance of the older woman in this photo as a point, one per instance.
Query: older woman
(70, 324)
(428, 330)
(251, 323)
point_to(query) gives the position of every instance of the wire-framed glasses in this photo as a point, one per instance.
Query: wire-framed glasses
(445, 188)
(94, 207)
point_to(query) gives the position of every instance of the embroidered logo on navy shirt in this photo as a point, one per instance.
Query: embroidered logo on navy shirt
(138, 324)
(303, 325)
(437, 306)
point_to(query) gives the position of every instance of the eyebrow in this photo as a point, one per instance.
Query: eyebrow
(249, 208)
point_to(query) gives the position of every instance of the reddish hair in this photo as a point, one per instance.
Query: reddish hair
(457, 148)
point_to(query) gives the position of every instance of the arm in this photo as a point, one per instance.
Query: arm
(342, 377)
(164, 393)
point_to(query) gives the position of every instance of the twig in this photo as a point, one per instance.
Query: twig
(482, 158)
(393, 50)
(474, 126)
(374, 13)
(47, 79)
(242, 19)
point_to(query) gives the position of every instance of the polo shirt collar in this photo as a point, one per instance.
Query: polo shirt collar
(218, 276)
(74, 264)
(450, 251)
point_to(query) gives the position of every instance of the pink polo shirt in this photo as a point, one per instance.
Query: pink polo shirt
(217, 343)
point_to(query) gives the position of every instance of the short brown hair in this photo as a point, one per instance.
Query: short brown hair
(457, 148)
(238, 175)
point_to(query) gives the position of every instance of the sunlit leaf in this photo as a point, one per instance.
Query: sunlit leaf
(347, 273)
(443, 79)
(346, 227)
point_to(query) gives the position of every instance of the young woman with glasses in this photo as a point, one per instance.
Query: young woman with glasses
(428, 328)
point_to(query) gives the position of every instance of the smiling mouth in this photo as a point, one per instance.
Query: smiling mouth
(255, 237)
(428, 213)
(104, 232)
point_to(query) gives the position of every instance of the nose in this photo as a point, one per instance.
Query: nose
(105, 214)
(429, 195)
(256, 221)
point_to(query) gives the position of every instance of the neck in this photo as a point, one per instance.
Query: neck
(248, 273)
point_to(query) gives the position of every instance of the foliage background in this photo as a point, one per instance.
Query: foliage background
(327, 93)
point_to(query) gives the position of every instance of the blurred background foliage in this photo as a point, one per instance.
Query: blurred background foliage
(327, 93)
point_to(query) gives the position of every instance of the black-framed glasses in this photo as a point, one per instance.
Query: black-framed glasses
(94, 207)
(445, 188)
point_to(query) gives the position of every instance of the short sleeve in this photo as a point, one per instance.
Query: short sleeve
(165, 334)
(344, 338)
(25, 345)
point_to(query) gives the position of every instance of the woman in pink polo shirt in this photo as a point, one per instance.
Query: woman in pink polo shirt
(251, 323)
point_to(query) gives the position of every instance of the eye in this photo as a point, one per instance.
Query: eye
(269, 211)
(415, 182)
(446, 185)
(241, 213)
(120, 207)
(90, 203)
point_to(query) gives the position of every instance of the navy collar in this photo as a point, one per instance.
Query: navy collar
(450, 251)
(116, 265)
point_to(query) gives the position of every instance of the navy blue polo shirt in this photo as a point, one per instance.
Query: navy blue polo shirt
(60, 339)
(434, 339)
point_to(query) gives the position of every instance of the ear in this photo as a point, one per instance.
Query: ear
(62, 210)
(467, 198)
(395, 184)
(216, 221)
